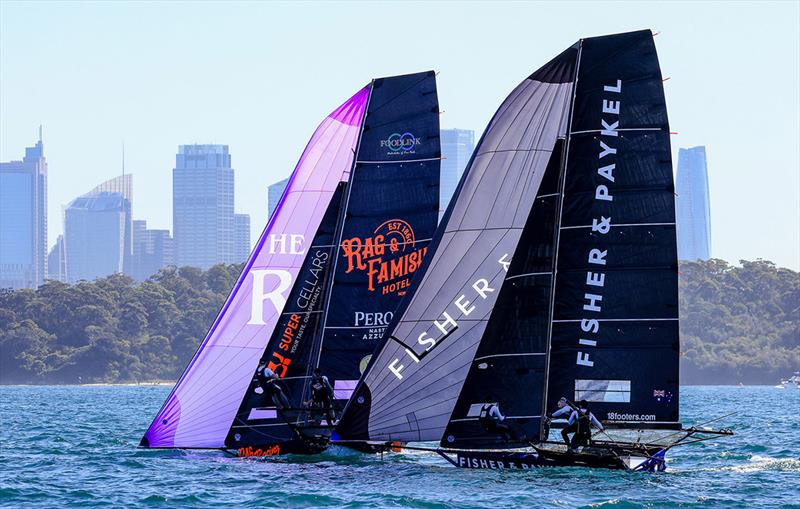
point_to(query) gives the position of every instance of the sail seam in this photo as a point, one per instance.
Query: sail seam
(623, 129)
(401, 161)
(622, 320)
(617, 225)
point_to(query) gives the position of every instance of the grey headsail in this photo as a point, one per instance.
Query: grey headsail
(414, 380)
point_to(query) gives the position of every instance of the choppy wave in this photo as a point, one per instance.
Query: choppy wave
(76, 447)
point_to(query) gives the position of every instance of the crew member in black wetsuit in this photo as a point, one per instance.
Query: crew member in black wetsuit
(271, 386)
(322, 396)
(580, 422)
(492, 421)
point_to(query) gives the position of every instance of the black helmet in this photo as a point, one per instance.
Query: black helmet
(584, 404)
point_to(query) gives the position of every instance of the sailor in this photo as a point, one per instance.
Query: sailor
(580, 423)
(270, 384)
(492, 419)
(322, 395)
(563, 412)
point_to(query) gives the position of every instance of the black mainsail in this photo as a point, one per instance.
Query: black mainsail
(554, 272)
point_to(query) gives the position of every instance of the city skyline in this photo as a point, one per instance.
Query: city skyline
(266, 99)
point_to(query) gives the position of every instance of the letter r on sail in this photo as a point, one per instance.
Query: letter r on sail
(276, 295)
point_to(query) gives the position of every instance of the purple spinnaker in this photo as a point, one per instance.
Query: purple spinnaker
(200, 409)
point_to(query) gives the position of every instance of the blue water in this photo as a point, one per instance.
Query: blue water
(76, 447)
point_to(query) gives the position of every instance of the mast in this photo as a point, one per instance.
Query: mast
(557, 235)
(338, 240)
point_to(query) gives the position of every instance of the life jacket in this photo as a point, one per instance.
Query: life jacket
(320, 389)
(584, 423)
(485, 418)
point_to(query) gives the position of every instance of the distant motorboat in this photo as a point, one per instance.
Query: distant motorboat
(792, 381)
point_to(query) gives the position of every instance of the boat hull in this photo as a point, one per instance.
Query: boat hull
(518, 460)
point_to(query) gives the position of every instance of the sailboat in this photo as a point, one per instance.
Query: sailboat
(323, 280)
(553, 274)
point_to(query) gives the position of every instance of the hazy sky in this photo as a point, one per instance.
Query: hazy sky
(261, 76)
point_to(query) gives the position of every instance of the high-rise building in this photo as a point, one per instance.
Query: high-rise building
(152, 251)
(97, 232)
(241, 234)
(457, 147)
(274, 193)
(693, 205)
(202, 206)
(23, 219)
(57, 261)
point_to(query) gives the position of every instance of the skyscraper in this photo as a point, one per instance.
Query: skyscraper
(693, 205)
(23, 219)
(457, 147)
(57, 261)
(202, 206)
(152, 251)
(95, 230)
(274, 193)
(241, 233)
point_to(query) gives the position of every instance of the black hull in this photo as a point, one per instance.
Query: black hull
(650, 461)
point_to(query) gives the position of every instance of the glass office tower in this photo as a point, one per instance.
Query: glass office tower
(23, 220)
(202, 206)
(693, 206)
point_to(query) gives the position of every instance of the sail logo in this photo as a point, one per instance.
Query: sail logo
(389, 257)
(286, 243)
(397, 143)
(249, 452)
(481, 290)
(595, 279)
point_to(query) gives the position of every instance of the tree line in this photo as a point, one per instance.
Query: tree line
(738, 324)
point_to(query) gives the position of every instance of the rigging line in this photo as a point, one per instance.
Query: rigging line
(529, 274)
(557, 233)
(340, 227)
